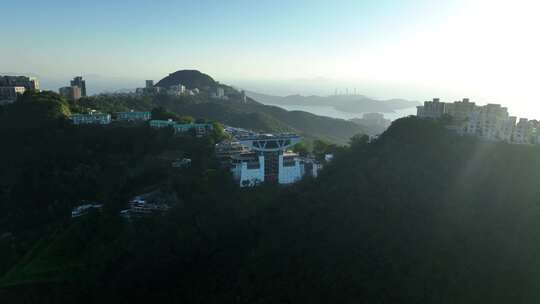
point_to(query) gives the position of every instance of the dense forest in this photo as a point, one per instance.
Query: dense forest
(419, 215)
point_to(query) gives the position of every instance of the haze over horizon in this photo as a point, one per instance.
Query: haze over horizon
(485, 50)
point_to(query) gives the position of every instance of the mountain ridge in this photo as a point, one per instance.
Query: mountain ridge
(345, 103)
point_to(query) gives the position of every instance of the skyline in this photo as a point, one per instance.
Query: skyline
(485, 50)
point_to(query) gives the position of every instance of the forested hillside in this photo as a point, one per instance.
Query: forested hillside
(49, 166)
(420, 215)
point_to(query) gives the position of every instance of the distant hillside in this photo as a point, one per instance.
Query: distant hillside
(345, 103)
(264, 118)
(249, 114)
(191, 79)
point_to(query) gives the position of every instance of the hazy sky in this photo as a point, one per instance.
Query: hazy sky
(403, 48)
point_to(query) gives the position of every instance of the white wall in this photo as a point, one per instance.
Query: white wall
(251, 177)
(289, 175)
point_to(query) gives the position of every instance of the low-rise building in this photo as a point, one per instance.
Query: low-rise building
(29, 83)
(200, 129)
(227, 149)
(145, 205)
(176, 90)
(13, 86)
(158, 124)
(83, 210)
(10, 94)
(134, 116)
(181, 163)
(92, 118)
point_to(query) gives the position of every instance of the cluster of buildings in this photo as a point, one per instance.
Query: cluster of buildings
(174, 90)
(75, 91)
(91, 118)
(199, 129)
(180, 90)
(254, 159)
(219, 94)
(13, 86)
(489, 122)
(97, 118)
(144, 206)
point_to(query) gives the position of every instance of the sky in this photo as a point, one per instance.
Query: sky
(485, 50)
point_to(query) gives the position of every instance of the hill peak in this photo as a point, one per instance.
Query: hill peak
(191, 79)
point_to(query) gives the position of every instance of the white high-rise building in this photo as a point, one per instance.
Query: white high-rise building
(490, 122)
(432, 109)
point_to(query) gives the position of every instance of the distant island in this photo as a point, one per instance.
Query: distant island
(344, 103)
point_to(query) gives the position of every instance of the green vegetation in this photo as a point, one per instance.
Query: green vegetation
(49, 166)
(420, 215)
(251, 115)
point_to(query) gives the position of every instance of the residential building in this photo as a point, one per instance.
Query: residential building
(93, 117)
(72, 93)
(10, 94)
(509, 129)
(29, 83)
(83, 210)
(145, 205)
(200, 129)
(525, 131)
(80, 83)
(490, 122)
(460, 110)
(134, 116)
(138, 209)
(176, 90)
(227, 149)
(162, 123)
(432, 109)
(13, 86)
(219, 94)
(149, 84)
